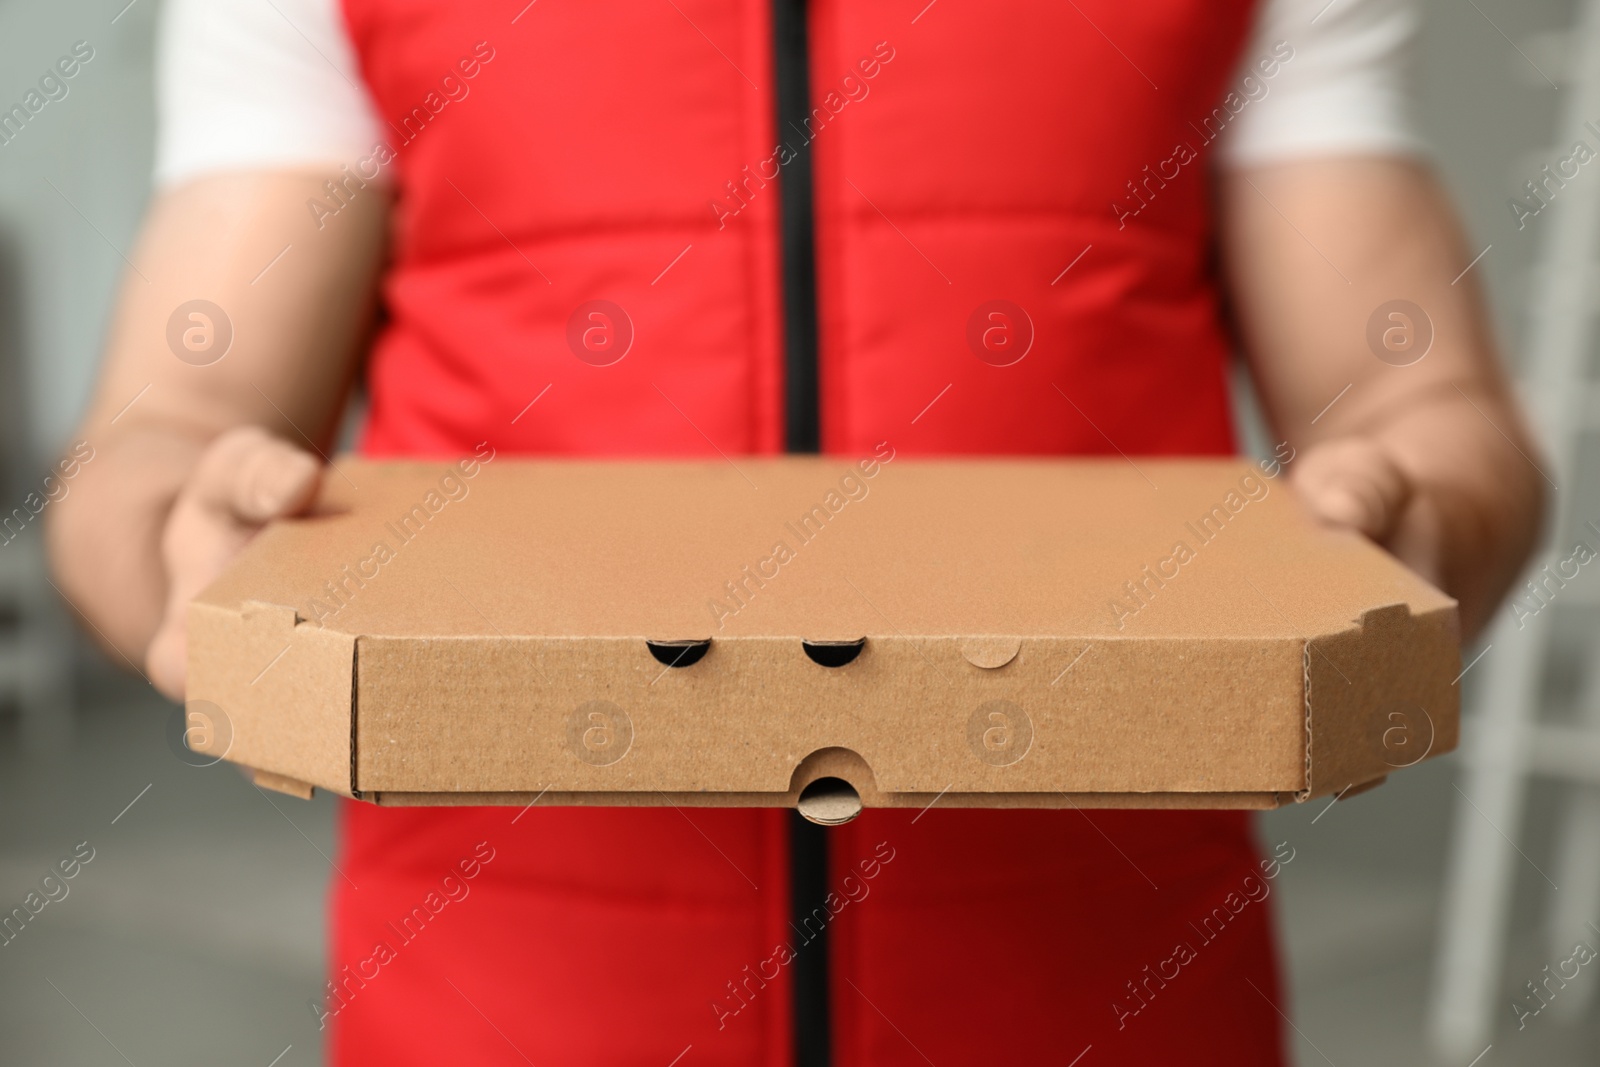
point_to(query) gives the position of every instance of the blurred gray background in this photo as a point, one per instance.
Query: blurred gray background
(194, 935)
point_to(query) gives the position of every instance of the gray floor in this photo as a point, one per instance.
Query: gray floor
(193, 936)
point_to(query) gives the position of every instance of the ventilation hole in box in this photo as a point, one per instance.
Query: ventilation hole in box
(833, 653)
(829, 802)
(679, 653)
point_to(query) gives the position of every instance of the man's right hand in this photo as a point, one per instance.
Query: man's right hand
(179, 481)
(244, 479)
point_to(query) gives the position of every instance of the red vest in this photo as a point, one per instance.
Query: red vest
(990, 149)
(1013, 256)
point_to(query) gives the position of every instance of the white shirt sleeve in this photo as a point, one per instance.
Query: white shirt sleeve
(1345, 90)
(257, 84)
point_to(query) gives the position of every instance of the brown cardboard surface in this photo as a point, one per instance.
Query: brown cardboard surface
(437, 634)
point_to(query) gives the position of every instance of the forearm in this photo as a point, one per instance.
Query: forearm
(291, 302)
(1318, 255)
(104, 537)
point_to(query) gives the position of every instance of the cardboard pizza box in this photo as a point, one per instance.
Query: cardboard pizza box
(821, 632)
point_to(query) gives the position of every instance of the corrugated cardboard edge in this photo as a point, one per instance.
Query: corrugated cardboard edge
(284, 687)
(279, 783)
(830, 762)
(1162, 801)
(1380, 697)
(483, 734)
(1305, 680)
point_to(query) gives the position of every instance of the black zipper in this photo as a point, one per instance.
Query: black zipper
(808, 889)
(803, 417)
(808, 845)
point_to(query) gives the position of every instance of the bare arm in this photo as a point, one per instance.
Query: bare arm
(179, 480)
(1432, 459)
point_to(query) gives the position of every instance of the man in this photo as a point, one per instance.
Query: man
(746, 226)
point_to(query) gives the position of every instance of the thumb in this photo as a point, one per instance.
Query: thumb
(244, 479)
(1353, 483)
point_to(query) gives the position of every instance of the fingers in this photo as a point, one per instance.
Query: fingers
(246, 478)
(252, 477)
(1354, 484)
(166, 660)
